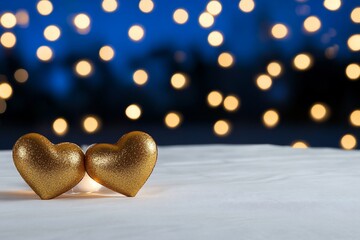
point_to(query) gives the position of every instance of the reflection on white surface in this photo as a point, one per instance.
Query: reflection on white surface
(87, 185)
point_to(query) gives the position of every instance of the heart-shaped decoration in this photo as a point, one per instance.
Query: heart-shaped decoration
(123, 167)
(50, 170)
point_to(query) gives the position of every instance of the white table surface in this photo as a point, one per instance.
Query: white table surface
(202, 192)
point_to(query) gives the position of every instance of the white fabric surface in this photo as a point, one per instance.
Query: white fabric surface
(202, 192)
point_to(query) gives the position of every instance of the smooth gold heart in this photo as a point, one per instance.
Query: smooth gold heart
(123, 167)
(50, 170)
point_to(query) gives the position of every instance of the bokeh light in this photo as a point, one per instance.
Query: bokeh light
(214, 98)
(60, 126)
(354, 42)
(5, 91)
(83, 68)
(231, 103)
(302, 61)
(222, 128)
(206, 20)
(319, 112)
(2, 106)
(146, 6)
(136, 33)
(88, 185)
(109, 5)
(355, 15)
(52, 33)
(279, 31)
(8, 20)
(332, 5)
(140, 77)
(173, 119)
(354, 118)
(133, 111)
(21, 75)
(214, 7)
(44, 7)
(300, 144)
(44, 53)
(348, 142)
(274, 69)
(180, 16)
(8, 40)
(106, 53)
(179, 81)
(264, 82)
(353, 71)
(246, 5)
(226, 59)
(22, 18)
(271, 118)
(312, 24)
(215, 38)
(82, 23)
(91, 124)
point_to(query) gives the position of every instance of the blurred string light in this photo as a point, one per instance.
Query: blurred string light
(264, 82)
(348, 142)
(206, 20)
(226, 59)
(60, 126)
(91, 124)
(214, 7)
(140, 77)
(319, 112)
(215, 38)
(179, 81)
(355, 15)
(52, 33)
(82, 23)
(312, 24)
(222, 128)
(173, 119)
(302, 61)
(146, 6)
(83, 68)
(274, 69)
(332, 51)
(354, 42)
(21, 75)
(6, 91)
(106, 53)
(22, 18)
(44, 7)
(180, 16)
(246, 5)
(8, 40)
(300, 144)
(109, 5)
(214, 98)
(332, 5)
(8, 20)
(2, 106)
(353, 71)
(271, 118)
(133, 111)
(354, 118)
(279, 31)
(231, 103)
(44, 53)
(136, 33)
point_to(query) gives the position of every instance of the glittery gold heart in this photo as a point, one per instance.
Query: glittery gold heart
(123, 167)
(49, 169)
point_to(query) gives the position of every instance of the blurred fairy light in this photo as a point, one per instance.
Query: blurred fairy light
(332, 5)
(44, 53)
(52, 33)
(271, 118)
(109, 5)
(246, 5)
(222, 128)
(173, 119)
(354, 118)
(91, 124)
(44, 7)
(300, 144)
(319, 112)
(179, 81)
(279, 31)
(214, 98)
(180, 16)
(2, 106)
(21, 75)
(5, 91)
(83, 68)
(348, 142)
(353, 71)
(302, 61)
(332, 51)
(312, 24)
(355, 15)
(82, 23)
(226, 59)
(214, 7)
(140, 77)
(146, 6)
(133, 111)
(136, 33)
(60, 126)
(231, 103)
(106, 53)
(354, 42)
(8, 39)
(206, 20)
(274, 69)
(264, 82)
(8, 20)
(215, 38)
(22, 18)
